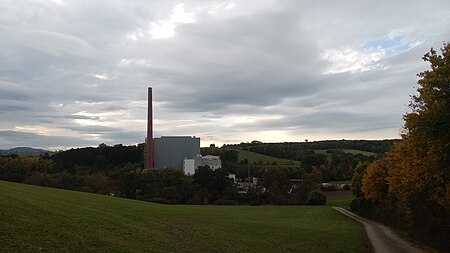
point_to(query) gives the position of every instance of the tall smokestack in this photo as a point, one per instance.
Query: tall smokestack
(149, 144)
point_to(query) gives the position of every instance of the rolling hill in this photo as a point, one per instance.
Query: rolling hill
(35, 219)
(17, 150)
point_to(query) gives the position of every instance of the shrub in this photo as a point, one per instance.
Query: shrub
(317, 197)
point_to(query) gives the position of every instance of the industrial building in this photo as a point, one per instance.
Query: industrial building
(172, 151)
(190, 165)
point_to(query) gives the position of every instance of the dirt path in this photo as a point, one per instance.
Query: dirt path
(383, 239)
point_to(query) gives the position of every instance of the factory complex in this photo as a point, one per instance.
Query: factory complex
(179, 152)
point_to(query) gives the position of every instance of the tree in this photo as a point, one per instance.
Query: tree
(213, 183)
(277, 184)
(311, 182)
(427, 130)
(360, 170)
(421, 163)
(172, 183)
(311, 160)
(415, 173)
(98, 183)
(317, 197)
(375, 181)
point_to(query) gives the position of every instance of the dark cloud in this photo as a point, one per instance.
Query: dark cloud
(14, 107)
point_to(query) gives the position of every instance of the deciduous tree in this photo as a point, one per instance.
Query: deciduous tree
(416, 171)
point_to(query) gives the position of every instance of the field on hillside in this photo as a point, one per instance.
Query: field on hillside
(253, 157)
(34, 219)
(362, 152)
(351, 151)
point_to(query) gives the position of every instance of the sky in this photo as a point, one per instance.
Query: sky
(76, 73)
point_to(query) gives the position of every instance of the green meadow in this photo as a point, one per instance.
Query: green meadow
(340, 198)
(40, 219)
(350, 151)
(261, 159)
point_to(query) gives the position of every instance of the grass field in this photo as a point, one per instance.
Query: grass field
(261, 159)
(339, 198)
(39, 219)
(355, 151)
(253, 157)
(351, 151)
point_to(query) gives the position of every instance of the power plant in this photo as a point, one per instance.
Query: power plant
(172, 151)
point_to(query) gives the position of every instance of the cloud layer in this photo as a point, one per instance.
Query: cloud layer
(76, 73)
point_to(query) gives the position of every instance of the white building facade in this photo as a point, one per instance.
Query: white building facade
(190, 165)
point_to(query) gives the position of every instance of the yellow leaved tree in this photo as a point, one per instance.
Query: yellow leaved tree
(415, 173)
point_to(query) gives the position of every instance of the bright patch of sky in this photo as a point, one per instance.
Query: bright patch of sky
(102, 76)
(393, 44)
(166, 28)
(351, 60)
(359, 60)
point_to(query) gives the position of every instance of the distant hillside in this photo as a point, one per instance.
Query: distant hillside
(293, 150)
(23, 150)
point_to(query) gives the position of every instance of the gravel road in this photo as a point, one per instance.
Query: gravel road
(383, 239)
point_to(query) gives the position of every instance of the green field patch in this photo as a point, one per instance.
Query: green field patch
(350, 151)
(261, 159)
(340, 198)
(35, 219)
(362, 152)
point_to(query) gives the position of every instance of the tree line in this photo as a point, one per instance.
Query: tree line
(335, 164)
(409, 186)
(293, 150)
(119, 170)
(171, 186)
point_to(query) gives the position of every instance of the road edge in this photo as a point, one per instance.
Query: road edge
(378, 244)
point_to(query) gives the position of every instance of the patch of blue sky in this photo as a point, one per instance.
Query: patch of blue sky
(393, 45)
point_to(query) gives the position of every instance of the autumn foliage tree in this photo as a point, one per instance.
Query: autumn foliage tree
(415, 173)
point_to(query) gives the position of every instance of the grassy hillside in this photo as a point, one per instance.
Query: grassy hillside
(253, 157)
(351, 151)
(362, 152)
(34, 219)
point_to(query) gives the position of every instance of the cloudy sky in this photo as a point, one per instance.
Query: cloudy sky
(75, 73)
